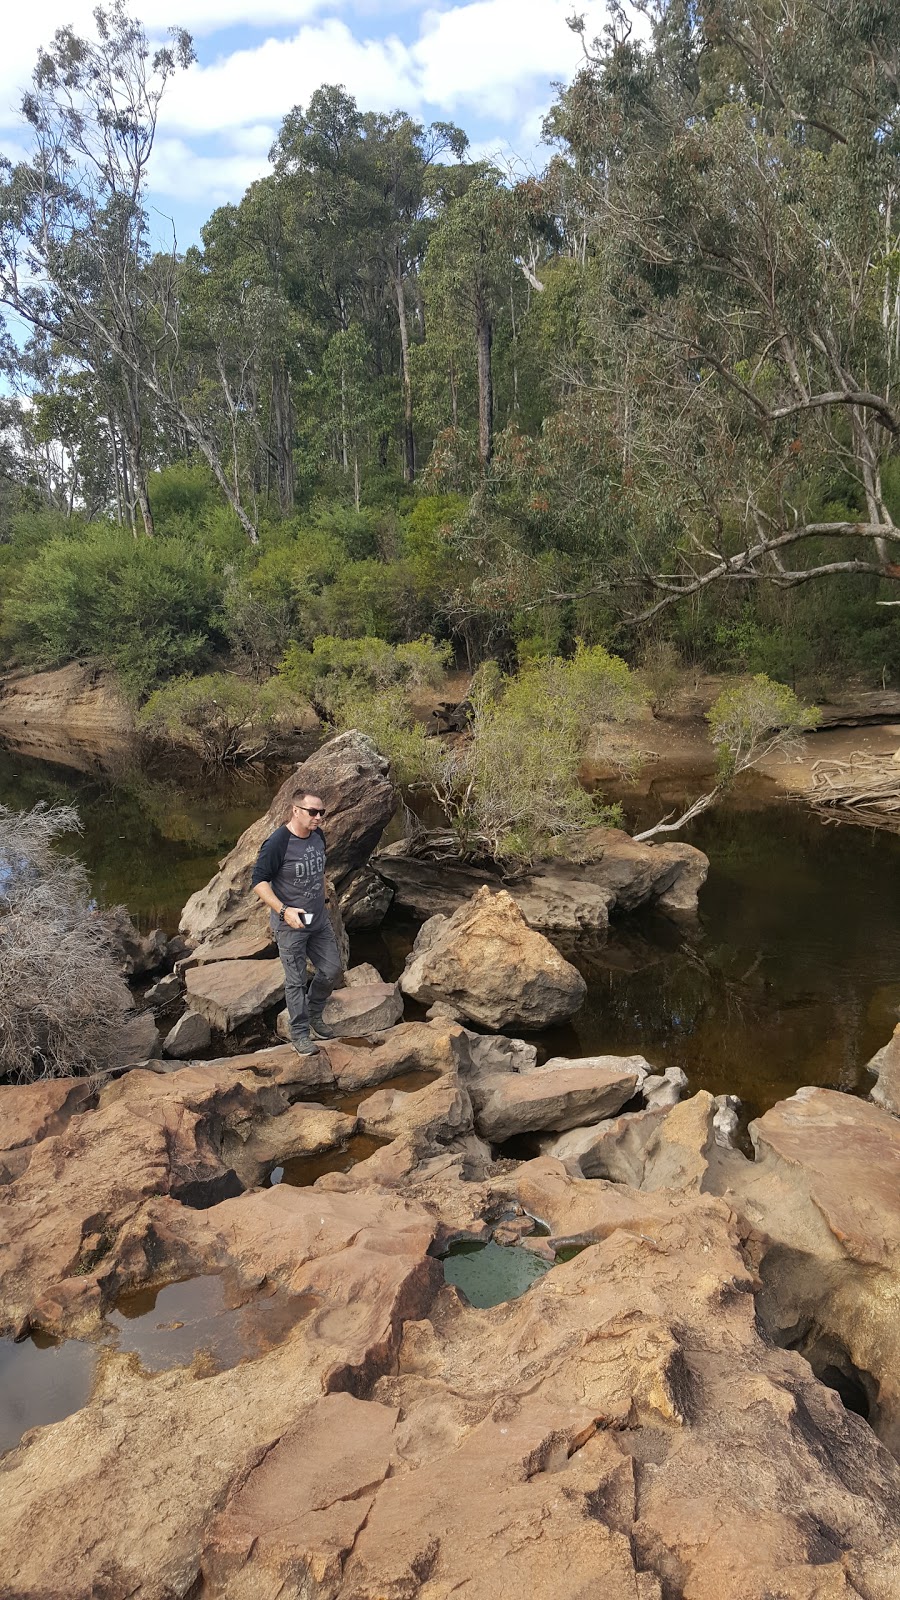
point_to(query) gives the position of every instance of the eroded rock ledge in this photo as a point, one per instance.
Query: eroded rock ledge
(633, 1427)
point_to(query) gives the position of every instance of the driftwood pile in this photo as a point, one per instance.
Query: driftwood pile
(864, 789)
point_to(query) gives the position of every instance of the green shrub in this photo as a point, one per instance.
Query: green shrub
(749, 720)
(385, 716)
(333, 667)
(513, 788)
(149, 608)
(225, 719)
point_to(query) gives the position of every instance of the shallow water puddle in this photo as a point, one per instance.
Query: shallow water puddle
(171, 1327)
(301, 1171)
(406, 1083)
(42, 1380)
(488, 1274)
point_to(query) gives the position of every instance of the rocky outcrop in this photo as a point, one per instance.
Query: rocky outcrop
(77, 699)
(379, 1436)
(824, 1196)
(493, 969)
(354, 782)
(600, 871)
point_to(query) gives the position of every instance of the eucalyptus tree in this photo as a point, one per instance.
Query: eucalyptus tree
(76, 264)
(740, 174)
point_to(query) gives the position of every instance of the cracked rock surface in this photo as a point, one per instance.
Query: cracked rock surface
(633, 1427)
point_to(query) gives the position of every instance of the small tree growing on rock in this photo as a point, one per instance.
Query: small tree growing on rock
(62, 999)
(748, 722)
(227, 720)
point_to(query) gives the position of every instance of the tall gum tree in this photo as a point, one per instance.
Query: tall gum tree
(739, 177)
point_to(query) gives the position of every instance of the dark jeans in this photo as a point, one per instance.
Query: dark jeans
(295, 945)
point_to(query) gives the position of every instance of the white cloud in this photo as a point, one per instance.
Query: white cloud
(266, 81)
(491, 52)
(27, 28)
(487, 62)
(179, 171)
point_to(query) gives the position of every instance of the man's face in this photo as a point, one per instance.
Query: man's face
(309, 813)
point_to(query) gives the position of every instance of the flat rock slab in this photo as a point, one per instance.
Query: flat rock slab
(226, 993)
(557, 1097)
(246, 946)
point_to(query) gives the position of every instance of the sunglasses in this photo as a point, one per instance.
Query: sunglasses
(313, 811)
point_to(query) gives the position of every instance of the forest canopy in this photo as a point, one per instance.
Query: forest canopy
(646, 395)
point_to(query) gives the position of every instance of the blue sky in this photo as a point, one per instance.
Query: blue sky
(487, 64)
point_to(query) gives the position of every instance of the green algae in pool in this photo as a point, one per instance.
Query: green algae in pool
(488, 1274)
(172, 1326)
(42, 1380)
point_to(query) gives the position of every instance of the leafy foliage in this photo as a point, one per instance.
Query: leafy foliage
(226, 719)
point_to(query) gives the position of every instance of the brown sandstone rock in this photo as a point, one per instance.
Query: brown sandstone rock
(555, 1096)
(226, 993)
(886, 1066)
(493, 968)
(354, 782)
(358, 1010)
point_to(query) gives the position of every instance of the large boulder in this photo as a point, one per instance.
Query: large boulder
(355, 784)
(227, 993)
(493, 969)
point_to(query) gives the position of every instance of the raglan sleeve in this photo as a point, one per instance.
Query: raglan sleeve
(269, 860)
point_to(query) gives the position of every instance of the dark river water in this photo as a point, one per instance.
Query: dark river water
(790, 976)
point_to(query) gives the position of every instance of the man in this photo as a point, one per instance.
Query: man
(289, 877)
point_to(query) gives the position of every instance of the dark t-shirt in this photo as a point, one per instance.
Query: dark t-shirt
(295, 868)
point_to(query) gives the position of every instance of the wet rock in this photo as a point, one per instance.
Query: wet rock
(190, 1035)
(490, 966)
(226, 993)
(365, 899)
(164, 991)
(354, 782)
(560, 1095)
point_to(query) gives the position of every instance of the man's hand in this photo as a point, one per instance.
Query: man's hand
(293, 918)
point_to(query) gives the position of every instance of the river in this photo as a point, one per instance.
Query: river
(790, 976)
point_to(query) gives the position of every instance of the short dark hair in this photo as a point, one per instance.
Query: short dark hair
(299, 795)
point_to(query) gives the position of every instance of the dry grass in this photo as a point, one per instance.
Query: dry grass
(62, 998)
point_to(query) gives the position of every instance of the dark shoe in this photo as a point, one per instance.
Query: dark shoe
(320, 1027)
(304, 1046)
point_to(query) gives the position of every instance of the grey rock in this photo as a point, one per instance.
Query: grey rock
(164, 991)
(365, 899)
(190, 1035)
